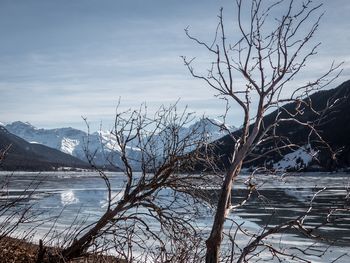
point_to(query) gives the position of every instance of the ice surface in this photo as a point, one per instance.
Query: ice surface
(84, 194)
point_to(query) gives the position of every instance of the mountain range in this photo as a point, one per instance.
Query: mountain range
(34, 148)
(101, 146)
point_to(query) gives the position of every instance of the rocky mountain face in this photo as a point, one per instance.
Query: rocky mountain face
(101, 146)
(333, 126)
(23, 155)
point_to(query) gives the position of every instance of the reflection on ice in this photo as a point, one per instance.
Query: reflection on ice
(68, 197)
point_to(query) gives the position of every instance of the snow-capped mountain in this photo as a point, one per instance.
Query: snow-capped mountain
(101, 144)
(22, 155)
(68, 140)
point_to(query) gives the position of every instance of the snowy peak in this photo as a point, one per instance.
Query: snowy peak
(214, 129)
(19, 125)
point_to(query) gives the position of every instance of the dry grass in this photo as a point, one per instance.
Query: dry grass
(19, 251)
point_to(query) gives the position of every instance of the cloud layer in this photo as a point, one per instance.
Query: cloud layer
(60, 60)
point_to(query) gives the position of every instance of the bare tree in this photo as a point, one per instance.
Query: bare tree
(268, 55)
(17, 213)
(3, 153)
(159, 187)
(271, 240)
(15, 210)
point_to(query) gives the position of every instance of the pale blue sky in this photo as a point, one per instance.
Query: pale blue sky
(63, 59)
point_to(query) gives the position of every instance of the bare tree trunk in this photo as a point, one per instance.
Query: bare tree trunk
(267, 60)
(81, 244)
(213, 243)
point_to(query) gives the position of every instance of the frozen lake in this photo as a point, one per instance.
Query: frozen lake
(276, 200)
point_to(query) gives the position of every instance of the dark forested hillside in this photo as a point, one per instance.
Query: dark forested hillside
(333, 124)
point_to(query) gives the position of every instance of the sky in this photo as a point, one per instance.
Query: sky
(61, 60)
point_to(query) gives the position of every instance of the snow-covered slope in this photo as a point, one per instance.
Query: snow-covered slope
(296, 160)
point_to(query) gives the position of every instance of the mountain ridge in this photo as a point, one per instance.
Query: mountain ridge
(102, 143)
